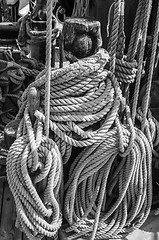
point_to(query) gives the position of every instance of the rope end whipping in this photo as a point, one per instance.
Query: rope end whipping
(122, 8)
(33, 102)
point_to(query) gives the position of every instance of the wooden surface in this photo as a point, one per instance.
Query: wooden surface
(7, 215)
(8, 231)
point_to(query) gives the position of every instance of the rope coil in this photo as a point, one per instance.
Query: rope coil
(109, 189)
(37, 215)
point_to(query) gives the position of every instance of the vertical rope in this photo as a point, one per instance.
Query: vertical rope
(146, 16)
(61, 54)
(80, 8)
(135, 32)
(121, 33)
(48, 62)
(114, 35)
(133, 44)
(150, 72)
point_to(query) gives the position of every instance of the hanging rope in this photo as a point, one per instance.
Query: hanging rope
(114, 35)
(99, 188)
(49, 8)
(109, 190)
(135, 35)
(125, 70)
(38, 213)
(150, 72)
(36, 156)
(107, 195)
(121, 33)
(79, 94)
(80, 8)
(146, 16)
(35, 175)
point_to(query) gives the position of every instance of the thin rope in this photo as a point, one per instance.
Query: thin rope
(80, 8)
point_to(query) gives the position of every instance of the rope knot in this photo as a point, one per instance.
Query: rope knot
(125, 71)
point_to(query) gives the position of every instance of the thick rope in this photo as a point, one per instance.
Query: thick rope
(124, 71)
(85, 219)
(36, 171)
(33, 163)
(150, 72)
(114, 35)
(121, 33)
(145, 20)
(135, 35)
(38, 212)
(109, 190)
(91, 215)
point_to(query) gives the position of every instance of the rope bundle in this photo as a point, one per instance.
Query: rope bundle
(81, 95)
(37, 157)
(14, 78)
(32, 162)
(98, 195)
(109, 190)
(108, 196)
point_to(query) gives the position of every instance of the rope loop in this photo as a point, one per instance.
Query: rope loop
(125, 71)
(16, 76)
(34, 178)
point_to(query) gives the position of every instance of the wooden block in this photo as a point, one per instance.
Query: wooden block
(82, 38)
(17, 232)
(7, 224)
(24, 237)
(1, 197)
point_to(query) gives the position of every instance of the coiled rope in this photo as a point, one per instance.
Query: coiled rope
(109, 191)
(80, 96)
(38, 213)
(104, 197)
(35, 174)
(90, 79)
